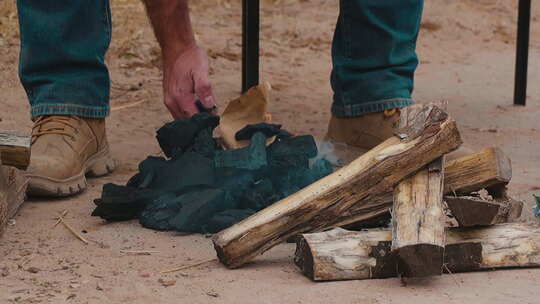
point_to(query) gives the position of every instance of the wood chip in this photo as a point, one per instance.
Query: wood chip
(33, 270)
(213, 294)
(167, 283)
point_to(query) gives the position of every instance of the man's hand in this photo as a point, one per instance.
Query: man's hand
(185, 66)
(186, 80)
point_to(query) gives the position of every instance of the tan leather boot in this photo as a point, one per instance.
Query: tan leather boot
(64, 150)
(366, 131)
(352, 137)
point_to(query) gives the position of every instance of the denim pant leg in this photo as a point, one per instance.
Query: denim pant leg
(374, 55)
(62, 65)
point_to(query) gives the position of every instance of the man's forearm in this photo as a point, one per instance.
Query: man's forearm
(172, 26)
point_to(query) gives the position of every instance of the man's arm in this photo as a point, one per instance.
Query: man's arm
(185, 65)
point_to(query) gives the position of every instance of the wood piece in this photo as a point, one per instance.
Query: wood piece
(249, 108)
(418, 235)
(418, 213)
(329, 202)
(12, 193)
(15, 150)
(346, 255)
(489, 168)
(472, 211)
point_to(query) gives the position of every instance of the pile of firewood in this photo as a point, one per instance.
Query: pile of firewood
(446, 215)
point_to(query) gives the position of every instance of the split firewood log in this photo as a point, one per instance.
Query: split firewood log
(418, 235)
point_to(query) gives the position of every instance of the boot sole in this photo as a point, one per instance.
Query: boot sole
(99, 164)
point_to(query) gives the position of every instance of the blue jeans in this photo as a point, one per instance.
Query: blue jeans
(62, 60)
(374, 55)
(63, 45)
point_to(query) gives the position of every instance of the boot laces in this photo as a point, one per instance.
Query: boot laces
(59, 124)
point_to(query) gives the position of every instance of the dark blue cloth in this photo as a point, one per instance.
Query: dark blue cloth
(198, 191)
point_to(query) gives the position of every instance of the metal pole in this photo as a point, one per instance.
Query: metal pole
(522, 52)
(250, 43)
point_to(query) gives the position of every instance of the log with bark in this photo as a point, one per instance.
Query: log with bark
(489, 168)
(472, 211)
(418, 235)
(346, 196)
(349, 255)
(15, 150)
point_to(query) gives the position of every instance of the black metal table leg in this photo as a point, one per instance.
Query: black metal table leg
(250, 43)
(522, 53)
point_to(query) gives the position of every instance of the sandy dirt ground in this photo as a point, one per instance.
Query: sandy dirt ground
(467, 58)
